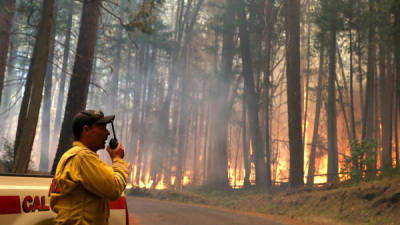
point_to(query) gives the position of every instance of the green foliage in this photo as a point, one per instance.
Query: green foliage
(30, 11)
(390, 172)
(395, 6)
(144, 19)
(161, 38)
(329, 16)
(360, 159)
(7, 159)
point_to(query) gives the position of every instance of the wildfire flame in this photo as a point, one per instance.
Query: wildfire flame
(161, 184)
(236, 180)
(147, 182)
(173, 178)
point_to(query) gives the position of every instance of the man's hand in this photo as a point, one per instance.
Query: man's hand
(117, 152)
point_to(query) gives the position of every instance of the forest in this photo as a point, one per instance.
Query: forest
(207, 93)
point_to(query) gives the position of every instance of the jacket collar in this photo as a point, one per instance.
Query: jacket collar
(79, 144)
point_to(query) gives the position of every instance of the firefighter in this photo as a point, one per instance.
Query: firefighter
(83, 183)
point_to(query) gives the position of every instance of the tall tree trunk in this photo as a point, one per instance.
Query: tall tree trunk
(342, 106)
(29, 112)
(46, 109)
(311, 162)
(183, 124)
(92, 94)
(360, 72)
(64, 71)
(196, 120)
(206, 138)
(113, 102)
(174, 130)
(180, 135)
(245, 143)
(135, 125)
(143, 150)
(331, 9)
(269, 22)
(396, 135)
(331, 108)
(251, 98)
(386, 94)
(342, 90)
(217, 175)
(79, 84)
(352, 117)
(130, 155)
(368, 117)
(296, 171)
(396, 40)
(7, 10)
(5, 104)
(308, 56)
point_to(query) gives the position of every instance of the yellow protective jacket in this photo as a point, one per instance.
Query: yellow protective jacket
(82, 186)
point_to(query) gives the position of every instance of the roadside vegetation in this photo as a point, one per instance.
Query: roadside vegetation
(375, 202)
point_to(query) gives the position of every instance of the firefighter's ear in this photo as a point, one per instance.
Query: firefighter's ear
(85, 128)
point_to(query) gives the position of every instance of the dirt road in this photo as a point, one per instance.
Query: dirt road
(154, 212)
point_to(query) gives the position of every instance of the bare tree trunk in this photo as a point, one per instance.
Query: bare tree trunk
(79, 85)
(396, 135)
(246, 157)
(386, 95)
(360, 73)
(296, 171)
(251, 98)
(7, 10)
(352, 118)
(135, 129)
(206, 137)
(396, 40)
(143, 150)
(113, 102)
(181, 132)
(331, 108)
(64, 71)
(92, 97)
(46, 109)
(5, 104)
(368, 117)
(29, 113)
(311, 162)
(269, 22)
(342, 96)
(308, 56)
(341, 66)
(342, 106)
(183, 100)
(196, 139)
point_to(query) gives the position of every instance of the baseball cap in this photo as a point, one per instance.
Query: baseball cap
(89, 117)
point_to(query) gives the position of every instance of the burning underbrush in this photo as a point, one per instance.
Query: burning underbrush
(371, 203)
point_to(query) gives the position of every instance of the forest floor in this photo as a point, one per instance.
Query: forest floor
(370, 203)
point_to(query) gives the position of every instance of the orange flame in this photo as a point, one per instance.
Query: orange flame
(161, 185)
(146, 183)
(173, 178)
(252, 173)
(187, 178)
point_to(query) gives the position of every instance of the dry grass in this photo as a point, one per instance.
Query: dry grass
(373, 203)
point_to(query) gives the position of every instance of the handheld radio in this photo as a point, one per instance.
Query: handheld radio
(113, 141)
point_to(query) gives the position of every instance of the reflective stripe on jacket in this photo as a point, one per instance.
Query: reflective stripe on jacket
(82, 186)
